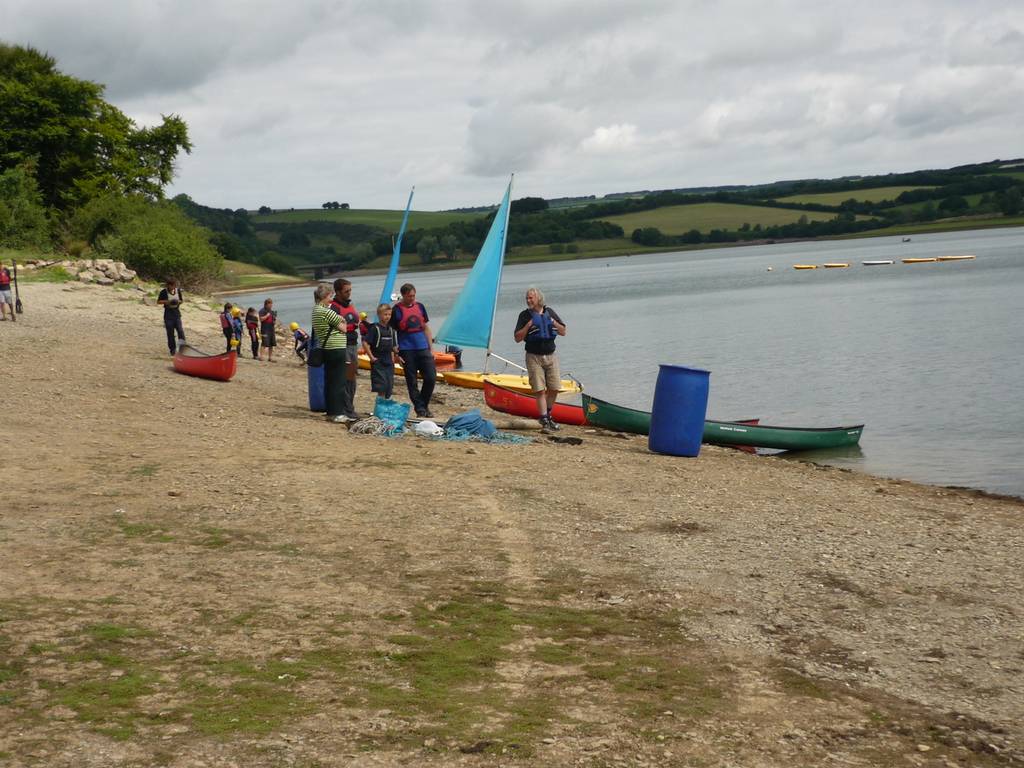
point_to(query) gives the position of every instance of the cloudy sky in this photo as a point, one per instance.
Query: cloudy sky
(293, 104)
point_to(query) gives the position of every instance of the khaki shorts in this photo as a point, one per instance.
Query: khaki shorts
(543, 372)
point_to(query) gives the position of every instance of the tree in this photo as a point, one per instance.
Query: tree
(264, 210)
(83, 146)
(450, 244)
(529, 205)
(427, 248)
(23, 222)
(647, 236)
(953, 204)
(290, 239)
(344, 206)
(1012, 202)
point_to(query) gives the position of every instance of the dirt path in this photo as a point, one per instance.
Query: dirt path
(207, 574)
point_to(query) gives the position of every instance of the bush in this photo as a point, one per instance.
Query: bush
(23, 222)
(572, 248)
(157, 240)
(556, 248)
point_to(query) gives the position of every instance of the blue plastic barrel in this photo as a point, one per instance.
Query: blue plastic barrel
(315, 381)
(680, 405)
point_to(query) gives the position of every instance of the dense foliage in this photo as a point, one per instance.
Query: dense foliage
(23, 222)
(154, 238)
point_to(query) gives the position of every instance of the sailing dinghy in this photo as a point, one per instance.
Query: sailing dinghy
(471, 320)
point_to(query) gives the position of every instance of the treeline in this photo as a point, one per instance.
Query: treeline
(78, 175)
(842, 224)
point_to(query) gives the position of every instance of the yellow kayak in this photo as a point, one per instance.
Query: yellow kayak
(805, 266)
(920, 260)
(835, 265)
(955, 258)
(475, 380)
(364, 364)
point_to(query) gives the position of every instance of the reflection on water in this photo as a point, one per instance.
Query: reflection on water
(927, 355)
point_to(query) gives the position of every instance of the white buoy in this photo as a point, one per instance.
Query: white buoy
(769, 269)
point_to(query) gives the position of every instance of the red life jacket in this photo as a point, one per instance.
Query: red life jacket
(225, 320)
(413, 318)
(349, 314)
(5, 279)
(267, 317)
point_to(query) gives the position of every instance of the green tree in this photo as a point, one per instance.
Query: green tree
(1012, 202)
(156, 239)
(450, 244)
(83, 146)
(427, 248)
(647, 236)
(529, 205)
(23, 222)
(291, 239)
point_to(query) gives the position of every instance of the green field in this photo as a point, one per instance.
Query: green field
(240, 275)
(386, 220)
(678, 219)
(835, 198)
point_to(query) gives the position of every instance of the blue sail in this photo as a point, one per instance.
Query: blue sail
(471, 320)
(389, 282)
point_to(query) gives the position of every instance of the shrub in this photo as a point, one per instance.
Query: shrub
(572, 248)
(23, 222)
(557, 248)
(155, 239)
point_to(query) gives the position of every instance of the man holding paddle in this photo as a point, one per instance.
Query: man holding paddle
(6, 301)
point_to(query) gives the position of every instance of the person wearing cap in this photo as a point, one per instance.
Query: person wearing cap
(237, 327)
(538, 325)
(300, 339)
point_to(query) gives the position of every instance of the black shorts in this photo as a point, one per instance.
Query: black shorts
(269, 337)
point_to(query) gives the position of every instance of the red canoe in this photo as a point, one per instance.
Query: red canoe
(520, 404)
(191, 361)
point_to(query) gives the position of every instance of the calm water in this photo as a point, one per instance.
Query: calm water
(929, 356)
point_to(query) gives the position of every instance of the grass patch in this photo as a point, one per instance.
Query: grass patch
(389, 220)
(873, 195)
(794, 683)
(144, 470)
(54, 274)
(679, 219)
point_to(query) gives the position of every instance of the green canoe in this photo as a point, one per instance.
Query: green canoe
(610, 416)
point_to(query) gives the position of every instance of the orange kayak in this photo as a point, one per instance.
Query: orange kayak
(192, 362)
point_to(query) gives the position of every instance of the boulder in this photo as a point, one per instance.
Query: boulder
(104, 281)
(85, 276)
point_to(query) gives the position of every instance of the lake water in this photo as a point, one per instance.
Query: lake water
(929, 356)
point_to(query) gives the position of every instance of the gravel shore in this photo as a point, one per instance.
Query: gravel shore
(198, 573)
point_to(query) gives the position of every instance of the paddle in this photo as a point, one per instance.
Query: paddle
(17, 297)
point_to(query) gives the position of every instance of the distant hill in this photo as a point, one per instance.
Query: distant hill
(341, 238)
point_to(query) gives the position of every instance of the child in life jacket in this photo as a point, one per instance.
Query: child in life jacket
(227, 327)
(252, 325)
(301, 341)
(237, 326)
(380, 344)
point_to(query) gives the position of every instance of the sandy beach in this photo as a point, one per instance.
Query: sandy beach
(205, 574)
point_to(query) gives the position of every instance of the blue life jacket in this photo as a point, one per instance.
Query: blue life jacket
(543, 326)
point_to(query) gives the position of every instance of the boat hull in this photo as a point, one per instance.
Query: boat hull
(788, 438)
(475, 380)
(191, 362)
(835, 265)
(521, 404)
(805, 266)
(878, 263)
(601, 413)
(364, 365)
(922, 260)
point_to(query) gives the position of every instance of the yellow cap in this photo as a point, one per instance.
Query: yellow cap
(362, 315)
(294, 326)
(235, 311)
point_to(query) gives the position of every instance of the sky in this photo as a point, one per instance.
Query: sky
(295, 104)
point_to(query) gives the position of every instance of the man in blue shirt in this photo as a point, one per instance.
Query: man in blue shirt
(409, 318)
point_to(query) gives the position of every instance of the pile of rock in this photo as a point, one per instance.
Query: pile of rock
(99, 271)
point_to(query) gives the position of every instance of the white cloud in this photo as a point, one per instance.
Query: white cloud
(291, 105)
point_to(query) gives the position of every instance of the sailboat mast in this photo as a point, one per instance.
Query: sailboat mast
(501, 266)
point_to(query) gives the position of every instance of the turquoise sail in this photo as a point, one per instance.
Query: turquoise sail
(389, 281)
(471, 320)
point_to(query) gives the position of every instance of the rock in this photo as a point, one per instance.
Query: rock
(104, 281)
(85, 277)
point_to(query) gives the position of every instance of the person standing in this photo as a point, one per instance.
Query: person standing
(538, 325)
(227, 326)
(171, 298)
(5, 293)
(268, 319)
(380, 343)
(252, 325)
(342, 304)
(329, 331)
(409, 318)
